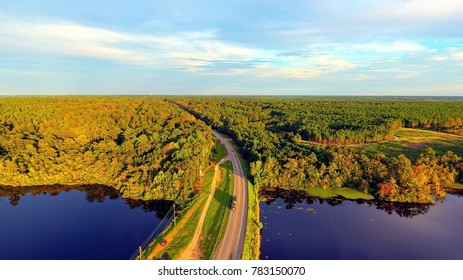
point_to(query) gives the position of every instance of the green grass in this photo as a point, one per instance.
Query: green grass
(244, 163)
(413, 133)
(413, 142)
(219, 151)
(251, 250)
(183, 236)
(245, 166)
(347, 193)
(207, 180)
(218, 213)
(457, 186)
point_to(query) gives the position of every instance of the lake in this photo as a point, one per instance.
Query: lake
(297, 226)
(84, 222)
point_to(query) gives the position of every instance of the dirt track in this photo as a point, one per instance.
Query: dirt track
(192, 252)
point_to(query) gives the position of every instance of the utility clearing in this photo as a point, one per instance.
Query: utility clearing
(412, 142)
(193, 252)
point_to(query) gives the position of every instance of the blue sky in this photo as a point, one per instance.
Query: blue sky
(317, 47)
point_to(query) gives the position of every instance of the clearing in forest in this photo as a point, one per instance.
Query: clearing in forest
(413, 142)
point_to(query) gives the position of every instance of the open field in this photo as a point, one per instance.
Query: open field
(334, 192)
(413, 142)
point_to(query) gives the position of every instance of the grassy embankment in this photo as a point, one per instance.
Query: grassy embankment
(251, 250)
(219, 151)
(218, 213)
(179, 234)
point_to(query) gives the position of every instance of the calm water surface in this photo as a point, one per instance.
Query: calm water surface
(298, 227)
(85, 223)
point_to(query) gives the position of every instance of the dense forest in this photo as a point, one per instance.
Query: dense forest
(271, 130)
(144, 147)
(157, 148)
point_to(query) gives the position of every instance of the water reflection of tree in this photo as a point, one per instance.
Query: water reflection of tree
(406, 210)
(291, 197)
(93, 193)
(160, 207)
(14, 199)
(99, 193)
(456, 192)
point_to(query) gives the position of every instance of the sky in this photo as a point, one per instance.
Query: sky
(249, 47)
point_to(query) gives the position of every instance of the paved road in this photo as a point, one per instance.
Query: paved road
(231, 247)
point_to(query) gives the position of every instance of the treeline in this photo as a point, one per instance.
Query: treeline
(362, 120)
(390, 179)
(269, 130)
(144, 147)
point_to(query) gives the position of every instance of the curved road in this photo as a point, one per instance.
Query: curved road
(231, 246)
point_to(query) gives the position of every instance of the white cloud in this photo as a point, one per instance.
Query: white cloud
(269, 71)
(66, 38)
(382, 47)
(200, 52)
(457, 55)
(430, 9)
(298, 68)
(397, 46)
(336, 64)
(407, 13)
(409, 18)
(439, 58)
(309, 67)
(403, 76)
(297, 32)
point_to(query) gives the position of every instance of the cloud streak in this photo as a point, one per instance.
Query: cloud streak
(430, 9)
(65, 39)
(73, 39)
(200, 52)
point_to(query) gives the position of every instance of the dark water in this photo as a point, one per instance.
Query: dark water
(298, 227)
(86, 222)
